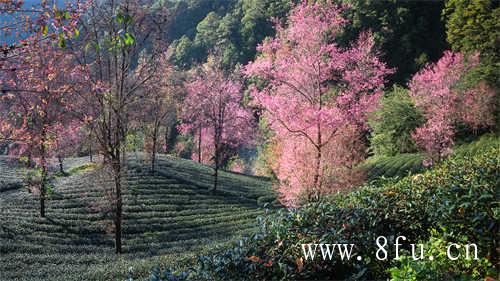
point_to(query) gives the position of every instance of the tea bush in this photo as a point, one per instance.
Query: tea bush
(441, 267)
(411, 163)
(458, 197)
(169, 216)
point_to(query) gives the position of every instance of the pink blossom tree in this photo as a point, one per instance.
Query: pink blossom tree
(40, 97)
(213, 109)
(314, 92)
(438, 90)
(27, 28)
(159, 99)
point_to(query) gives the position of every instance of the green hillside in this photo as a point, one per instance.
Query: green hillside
(402, 164)
(168, 216)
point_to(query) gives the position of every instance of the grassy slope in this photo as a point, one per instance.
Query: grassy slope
(401, 165)
(168, 216)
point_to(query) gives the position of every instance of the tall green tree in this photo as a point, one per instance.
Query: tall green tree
(474, 25)
(410, 33)
(232, 31)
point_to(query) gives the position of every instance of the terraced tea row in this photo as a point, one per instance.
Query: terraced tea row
(10, 177)
(167, 215)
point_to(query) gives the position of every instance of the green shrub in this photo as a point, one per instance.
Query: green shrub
(441, 267)
(82, 169)
(393, 124)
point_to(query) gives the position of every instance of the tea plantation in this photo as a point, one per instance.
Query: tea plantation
(411, 163)
(168, 216)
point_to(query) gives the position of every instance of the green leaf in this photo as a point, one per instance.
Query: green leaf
(119, 18)
(128, 39)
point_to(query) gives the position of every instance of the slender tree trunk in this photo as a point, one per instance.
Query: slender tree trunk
(90, 147)
(153, 153)
(317, 173)
(117, 160)
(216, 172)
(153, 158)
(61, 166)
(118, 204)
(216, 176)
(199, 145)
(317, 169)
(30, 158)
(43, 162)
(42, 191)
(167, 130)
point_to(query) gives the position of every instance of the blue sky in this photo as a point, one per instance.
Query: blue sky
(9, 18)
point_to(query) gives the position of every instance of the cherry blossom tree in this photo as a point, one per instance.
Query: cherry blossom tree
(213, 109)
(157, 108)
(439, 91)
(25, 26)
(313, 92)
(39, 97)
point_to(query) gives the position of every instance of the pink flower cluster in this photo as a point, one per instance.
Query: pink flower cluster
(438, 90)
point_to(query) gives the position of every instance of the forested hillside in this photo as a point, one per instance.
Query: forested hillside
(409, 33)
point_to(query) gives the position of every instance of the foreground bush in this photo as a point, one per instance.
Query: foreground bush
(441, 267)
(457, 198)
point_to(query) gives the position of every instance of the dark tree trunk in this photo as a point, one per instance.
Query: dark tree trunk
(153, 153)
(43, 183)
(216, 172)
(118, 205)
(153, 160)
(90, 153)
(42, 198)
(118, 158)
(90, 146)
(167, 130)
(317, 184)
(61, 166)
(199, 145)
(216, 176)
(317, 169)
(30, 163)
